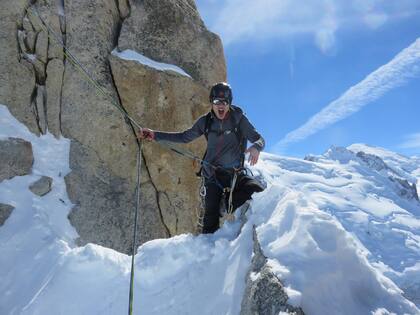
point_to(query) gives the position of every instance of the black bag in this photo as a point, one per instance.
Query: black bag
(245, 185)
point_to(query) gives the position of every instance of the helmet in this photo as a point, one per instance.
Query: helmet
(221, 90)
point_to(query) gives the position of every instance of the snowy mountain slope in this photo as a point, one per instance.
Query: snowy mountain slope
(408, 165)
(340, 231)
(337, 231)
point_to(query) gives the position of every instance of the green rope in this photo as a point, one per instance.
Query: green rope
(101, 91)
(133, 251)
(52, 35)
(114, 102)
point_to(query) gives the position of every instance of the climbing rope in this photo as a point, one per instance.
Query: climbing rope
(133, 250)
(100, 90)
(133, 123)
(229, 215)
(73, 60)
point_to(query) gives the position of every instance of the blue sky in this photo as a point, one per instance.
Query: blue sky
(351, 67)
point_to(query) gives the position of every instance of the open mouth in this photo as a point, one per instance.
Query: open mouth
(221, 112)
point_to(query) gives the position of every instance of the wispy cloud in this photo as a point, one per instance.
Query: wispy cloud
(250, 20)
(411, 141)
(404, 66)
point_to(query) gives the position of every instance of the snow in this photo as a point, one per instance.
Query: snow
(334, 231)
(60, 7)
(406, 167)
(129, 54)
(30, 57)
(339, 224)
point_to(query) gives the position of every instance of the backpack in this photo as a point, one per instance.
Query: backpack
(241, 139)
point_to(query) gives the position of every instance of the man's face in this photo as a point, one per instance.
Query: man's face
(220, 108)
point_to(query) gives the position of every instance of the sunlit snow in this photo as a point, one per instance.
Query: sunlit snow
(336, 232)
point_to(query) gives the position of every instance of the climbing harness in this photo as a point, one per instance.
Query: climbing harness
(229, 215)
(226, 210)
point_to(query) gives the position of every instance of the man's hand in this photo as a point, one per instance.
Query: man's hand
(253, 155)
(146, 134)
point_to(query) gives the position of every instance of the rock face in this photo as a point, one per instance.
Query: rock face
(402, 186)
(173, 32)
(42, 186)
(103, 148)
(26, 64)
(45, 91)
(16, 158)
(264, 293)
(17, 75)
(181, 100)
(5, 212)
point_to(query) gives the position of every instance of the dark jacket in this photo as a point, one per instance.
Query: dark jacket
(223, 147)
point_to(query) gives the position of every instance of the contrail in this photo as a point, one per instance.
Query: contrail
(404, 66)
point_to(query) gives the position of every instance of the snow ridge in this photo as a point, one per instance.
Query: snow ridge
(334, 228)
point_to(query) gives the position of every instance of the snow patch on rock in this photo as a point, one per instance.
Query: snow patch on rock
(129, 54)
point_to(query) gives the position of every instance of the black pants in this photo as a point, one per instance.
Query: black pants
(244, 188)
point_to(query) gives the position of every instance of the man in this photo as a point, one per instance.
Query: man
(227, 130)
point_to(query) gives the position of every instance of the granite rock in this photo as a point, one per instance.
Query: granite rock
(5, 212)
(42, 186)
(16, 158)
(173, 32)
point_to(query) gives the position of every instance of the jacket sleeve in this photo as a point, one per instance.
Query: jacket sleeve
(185, 136)
(251, 134)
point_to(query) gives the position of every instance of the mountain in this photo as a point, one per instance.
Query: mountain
(332, 234)
(47, 89)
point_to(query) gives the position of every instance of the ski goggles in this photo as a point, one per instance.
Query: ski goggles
(220, 102)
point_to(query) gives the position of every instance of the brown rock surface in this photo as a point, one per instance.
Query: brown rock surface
(54, 84)
(16, 158)
(41, 48)
(165, 101)
(103, 147)
(172, 32)
(41, 109)
(43, 89)
(5, 212)
(124, 8)
(42, 186)
(17, 77)
(104, 211)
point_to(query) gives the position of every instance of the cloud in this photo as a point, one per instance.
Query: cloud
(375, 20)
(403, 67)
(250, 20)
(412, 141)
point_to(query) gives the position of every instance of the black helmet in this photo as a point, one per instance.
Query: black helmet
(222, 91)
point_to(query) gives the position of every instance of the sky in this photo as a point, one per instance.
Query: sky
(325, 72)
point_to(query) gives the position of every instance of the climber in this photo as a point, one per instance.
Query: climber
(227, 130)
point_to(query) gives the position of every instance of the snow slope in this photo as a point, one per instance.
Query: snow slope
(339, 233)
(336, 230)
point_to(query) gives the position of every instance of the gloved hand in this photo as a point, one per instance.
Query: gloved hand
(146, 134)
